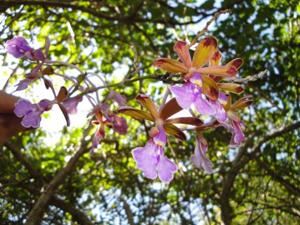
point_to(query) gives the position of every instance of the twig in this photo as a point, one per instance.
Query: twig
(10, 76)
(205, 29)
(252, 78)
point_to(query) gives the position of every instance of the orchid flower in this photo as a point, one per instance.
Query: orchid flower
(105, 117)
(151, 159)
(19, 47)
(31, 113)
(234, 123)
(200, 89)
(199, 158)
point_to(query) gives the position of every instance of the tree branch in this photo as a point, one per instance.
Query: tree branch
(77, 215)
(36, 214)
(240, 162)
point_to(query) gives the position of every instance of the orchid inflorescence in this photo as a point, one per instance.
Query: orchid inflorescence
(206, 89)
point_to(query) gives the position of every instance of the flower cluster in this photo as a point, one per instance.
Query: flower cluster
(206, 88)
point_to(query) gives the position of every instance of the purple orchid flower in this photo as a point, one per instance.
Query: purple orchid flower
(18, 47)
(199, 158)
(31, 113)
(152, 161)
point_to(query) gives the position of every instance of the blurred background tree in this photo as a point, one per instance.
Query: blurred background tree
(257, 183)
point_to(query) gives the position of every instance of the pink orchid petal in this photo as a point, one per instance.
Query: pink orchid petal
(166, 169)
(146, 159)
(184, 94)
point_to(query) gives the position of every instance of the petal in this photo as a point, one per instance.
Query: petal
(23, 84)
(62, 94)
(146, 159)
(218, 71)
(242, 103)
(186, 120)
(174, 131)
(170, 65)
(184, 94)
(231, 87)
(210, 88)
(145, 101)
(237, 135)
(160, 138)
(182, 49)
(118, 98)
(199, 158)
(71, 104)
(204, 51)
(216, 59)
(99, 135)
(169, 109)
(203, 106)
(135, 113)
(220, 112)
(166, 169)
(32, 119)
(22, 107)
(119, 124)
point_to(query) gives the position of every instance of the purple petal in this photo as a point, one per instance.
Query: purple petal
(166, 169)
(119, 124)
(71, 104)
(199, 158)
(223, 98)
(38, 55)
(45, 104)
(22, 107)
(17, 46)
(203, 106)
(196, 79)
(99, 135)
(120, 99)
(23, 84)
(146, 159)
(31, 119)
(220, 112)
(185, 95)
(237, 133)
(161, 137)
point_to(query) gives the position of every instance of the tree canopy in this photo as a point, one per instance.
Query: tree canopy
(118, 41)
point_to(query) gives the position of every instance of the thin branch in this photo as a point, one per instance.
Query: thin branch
(205, 29)
(36, 214)
(241, 160)
(77, 215)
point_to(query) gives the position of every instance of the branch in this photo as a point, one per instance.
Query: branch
(77, 215)
(128, 211)
(241, 160)
(288, 186)
(205, 29)
(36, 214)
